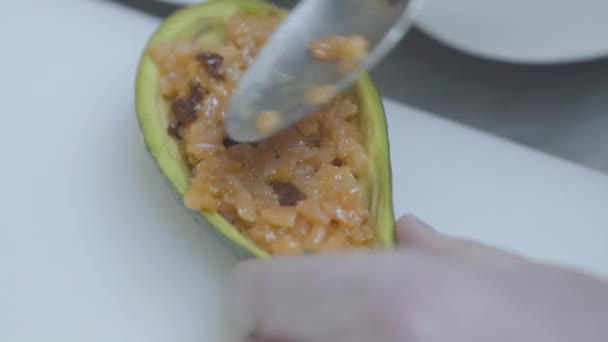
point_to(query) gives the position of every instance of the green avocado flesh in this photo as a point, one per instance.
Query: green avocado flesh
(205, 21)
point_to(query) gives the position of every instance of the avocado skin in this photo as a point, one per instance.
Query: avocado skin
(152, 120)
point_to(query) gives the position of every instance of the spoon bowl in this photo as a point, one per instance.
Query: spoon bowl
(275, 91)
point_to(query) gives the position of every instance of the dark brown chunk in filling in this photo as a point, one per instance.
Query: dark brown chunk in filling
(185, 109)
(212, 62)
(337, 163)
(289, 194)
(173, 129)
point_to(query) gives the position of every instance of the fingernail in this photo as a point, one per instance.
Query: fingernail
(410, 229)
(413, 222)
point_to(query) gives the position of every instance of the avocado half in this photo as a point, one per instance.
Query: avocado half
(206, 23)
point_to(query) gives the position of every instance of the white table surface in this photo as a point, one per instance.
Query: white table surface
(93, 247)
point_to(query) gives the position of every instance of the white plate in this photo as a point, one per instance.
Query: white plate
(528, 31)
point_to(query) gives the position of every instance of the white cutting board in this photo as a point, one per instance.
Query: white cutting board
(93, 247)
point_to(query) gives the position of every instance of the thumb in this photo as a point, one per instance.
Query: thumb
(413, 233)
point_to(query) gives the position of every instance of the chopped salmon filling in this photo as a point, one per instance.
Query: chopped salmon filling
(297, 192)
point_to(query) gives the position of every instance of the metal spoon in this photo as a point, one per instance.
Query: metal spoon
(276, 84)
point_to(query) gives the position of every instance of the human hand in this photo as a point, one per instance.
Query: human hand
(432, 289)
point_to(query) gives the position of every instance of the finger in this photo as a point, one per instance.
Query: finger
(416, 234)
(319, 298)
(412, 232)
